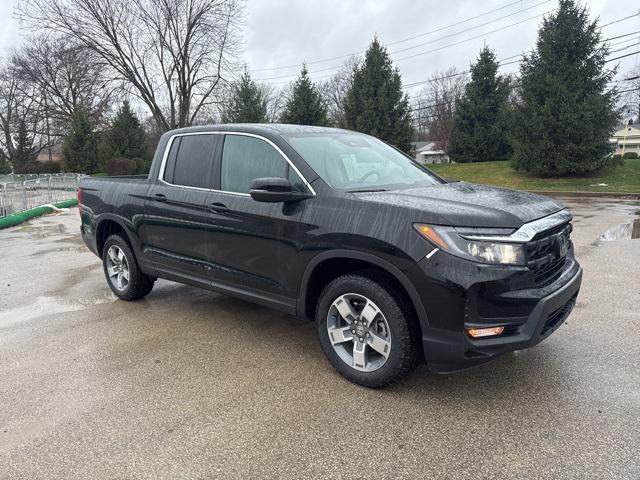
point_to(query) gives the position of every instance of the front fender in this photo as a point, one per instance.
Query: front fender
(385, 265)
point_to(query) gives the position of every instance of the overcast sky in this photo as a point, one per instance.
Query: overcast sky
(287, 32)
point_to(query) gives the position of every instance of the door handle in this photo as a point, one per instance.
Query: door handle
(218, 207)
(159, 197)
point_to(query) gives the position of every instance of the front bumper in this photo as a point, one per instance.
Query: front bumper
(529, 315)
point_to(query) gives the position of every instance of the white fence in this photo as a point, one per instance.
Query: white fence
(22, 192)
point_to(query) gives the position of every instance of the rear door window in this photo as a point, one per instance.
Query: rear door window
(189, 161)
(246, 158)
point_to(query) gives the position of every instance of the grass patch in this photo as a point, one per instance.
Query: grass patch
(622, 179)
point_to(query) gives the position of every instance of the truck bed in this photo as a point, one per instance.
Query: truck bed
(111, 194)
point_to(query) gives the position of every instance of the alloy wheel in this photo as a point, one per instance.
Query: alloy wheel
(118, 268)
(359, 332)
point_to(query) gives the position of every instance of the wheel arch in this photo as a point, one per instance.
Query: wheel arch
(109, 225)
(347, 259)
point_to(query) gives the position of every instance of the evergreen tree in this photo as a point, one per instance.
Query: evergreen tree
(375, 104)
(80, 147)
(5, 166)
(305, 106)
(24, 154)
(480, 132)
(125, 138)
(248, 104)
(566, 114)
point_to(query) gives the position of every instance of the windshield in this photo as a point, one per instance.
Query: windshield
(358, 162)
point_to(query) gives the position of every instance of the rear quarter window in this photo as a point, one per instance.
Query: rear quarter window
(190, 160)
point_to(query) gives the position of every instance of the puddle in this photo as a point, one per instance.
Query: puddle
(46, 305)
(79, 248)
(624, 231)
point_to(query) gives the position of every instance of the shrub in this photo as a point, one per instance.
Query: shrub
(50, 167)
(120, 166)
(140, 165)
(40, 167)
(617, 156)
(630, 155)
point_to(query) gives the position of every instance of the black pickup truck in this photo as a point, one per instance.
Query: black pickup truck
(394, 264)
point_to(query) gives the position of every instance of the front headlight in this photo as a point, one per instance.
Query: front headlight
(449, 240)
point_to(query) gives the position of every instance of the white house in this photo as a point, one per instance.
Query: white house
(427, 153)
(627, 139)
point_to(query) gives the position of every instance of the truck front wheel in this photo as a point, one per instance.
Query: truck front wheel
(364, 330)
(121, 269)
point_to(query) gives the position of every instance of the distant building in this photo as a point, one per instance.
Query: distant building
(627, 138)
(56, 154)
(426, 153)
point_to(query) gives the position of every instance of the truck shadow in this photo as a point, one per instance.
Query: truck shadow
(528, 375)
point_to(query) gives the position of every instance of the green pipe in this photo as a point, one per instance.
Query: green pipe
(18, 218)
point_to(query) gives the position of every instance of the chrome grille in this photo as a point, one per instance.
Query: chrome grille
(546, 253)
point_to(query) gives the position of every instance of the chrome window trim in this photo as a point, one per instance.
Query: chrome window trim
(165, 155)
(527, 231)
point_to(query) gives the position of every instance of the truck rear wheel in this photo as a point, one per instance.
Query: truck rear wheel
(121, 269)
(364, 332)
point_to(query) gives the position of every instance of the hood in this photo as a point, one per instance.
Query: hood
(468, 205)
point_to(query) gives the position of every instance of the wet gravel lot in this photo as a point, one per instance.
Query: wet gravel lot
(192, 384)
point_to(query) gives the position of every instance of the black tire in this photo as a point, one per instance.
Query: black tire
(402, 326)
(139, 284)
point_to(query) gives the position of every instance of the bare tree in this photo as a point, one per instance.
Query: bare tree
(334, 90)
(64, 79)
(276, 99)
(630, 99)
(434, 106)
(172, 53)
(17, 107)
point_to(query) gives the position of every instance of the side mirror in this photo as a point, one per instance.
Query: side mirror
(274, 190)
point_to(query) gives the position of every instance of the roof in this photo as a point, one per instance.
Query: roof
(635, 126)
(428, 148)
(419, 145)
(264, 128)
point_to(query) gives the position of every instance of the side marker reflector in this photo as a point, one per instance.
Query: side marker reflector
(485, 332)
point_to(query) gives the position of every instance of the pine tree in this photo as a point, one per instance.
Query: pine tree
(480, 130)
(24, 154)
(248, 104)
(376, 104)
(567, 114)
(5, 166)
(125, 138)
(305, 105)
(80, 147)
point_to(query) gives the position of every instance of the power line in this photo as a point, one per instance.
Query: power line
(454, 24)
(458, 74)
(503, 63)
(424, 107)
(435, 40)
(468, 29)
(630, 90)
(627, 79)
(621, 19)
(622, 56)
(632, 40)
(425, 52)
(439, 29)
(500, 61)
(631, 45)
(624, 35)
